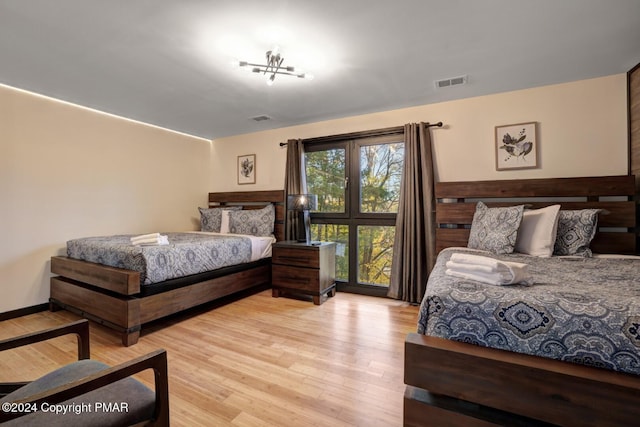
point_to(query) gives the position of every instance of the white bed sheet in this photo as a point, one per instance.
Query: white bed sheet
(260, 245)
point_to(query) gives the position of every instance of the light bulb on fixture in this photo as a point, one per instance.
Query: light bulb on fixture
(271, 79)
(236, 63)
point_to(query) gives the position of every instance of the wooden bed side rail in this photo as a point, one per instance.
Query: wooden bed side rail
(553, 391)
(121, 281)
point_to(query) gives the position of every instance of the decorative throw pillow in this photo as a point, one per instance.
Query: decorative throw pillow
(576, 229)
(495, 229)
(211, 218)
(537, 232)
(256, 222)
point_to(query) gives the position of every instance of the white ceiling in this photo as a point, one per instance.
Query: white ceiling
(168, 62)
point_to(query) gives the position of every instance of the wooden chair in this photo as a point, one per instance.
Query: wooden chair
(90, 392)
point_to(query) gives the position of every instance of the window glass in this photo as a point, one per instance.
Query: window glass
(375, 252)
(326, 177)
(380, 176)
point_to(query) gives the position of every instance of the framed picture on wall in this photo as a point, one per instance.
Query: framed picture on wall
(516, 146)
(247, 169)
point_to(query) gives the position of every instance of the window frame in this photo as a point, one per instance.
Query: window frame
(352, 217)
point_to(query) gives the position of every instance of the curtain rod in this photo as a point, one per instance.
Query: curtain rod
(378, 132)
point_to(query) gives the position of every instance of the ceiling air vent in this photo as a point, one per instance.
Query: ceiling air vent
(453, 81)
(260, 118)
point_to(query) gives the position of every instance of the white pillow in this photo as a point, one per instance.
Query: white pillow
(537, 232)
(224, 221)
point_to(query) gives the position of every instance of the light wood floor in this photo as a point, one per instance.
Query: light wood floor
(257, 361)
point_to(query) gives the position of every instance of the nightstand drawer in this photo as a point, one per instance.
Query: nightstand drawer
(296, 256)
(296, 277)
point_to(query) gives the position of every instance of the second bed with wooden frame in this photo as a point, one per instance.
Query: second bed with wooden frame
(113, 297)
(451, 383)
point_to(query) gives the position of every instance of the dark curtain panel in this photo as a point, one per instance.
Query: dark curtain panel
(414, 244)
(294, 183)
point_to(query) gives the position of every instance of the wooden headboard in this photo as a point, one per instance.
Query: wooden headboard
(254, 200)
(456, 201)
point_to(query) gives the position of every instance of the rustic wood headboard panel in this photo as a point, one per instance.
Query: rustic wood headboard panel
(456, 203)
(254, 200)
(633, 100)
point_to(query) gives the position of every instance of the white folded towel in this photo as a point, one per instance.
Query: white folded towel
(463, 258)
(145, 237)
(159, 240)
(488, 270)
(474, 268)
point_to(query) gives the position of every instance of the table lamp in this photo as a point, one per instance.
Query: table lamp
(303, 203)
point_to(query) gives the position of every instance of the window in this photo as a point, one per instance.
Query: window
(358, 186)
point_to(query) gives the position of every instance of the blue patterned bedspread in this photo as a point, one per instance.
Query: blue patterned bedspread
(585, 310)
(186, 254)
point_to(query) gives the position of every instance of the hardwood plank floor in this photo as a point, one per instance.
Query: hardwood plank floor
(256, 361)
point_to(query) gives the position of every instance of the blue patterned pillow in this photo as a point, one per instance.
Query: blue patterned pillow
(495, 229)
(211, 218)
(256, 222)
(576, 230)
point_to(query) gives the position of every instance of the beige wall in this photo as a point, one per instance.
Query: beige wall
(69, 172)
(582, 130)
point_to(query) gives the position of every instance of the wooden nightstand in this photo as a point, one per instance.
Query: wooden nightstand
(299, 268)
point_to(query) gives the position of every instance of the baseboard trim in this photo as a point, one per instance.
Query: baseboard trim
(373, 291)
(23, 311)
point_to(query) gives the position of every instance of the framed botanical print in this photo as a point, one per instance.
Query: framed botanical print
(516, 146)
(247, 169)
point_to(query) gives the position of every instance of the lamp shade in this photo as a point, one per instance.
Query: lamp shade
(302, 202)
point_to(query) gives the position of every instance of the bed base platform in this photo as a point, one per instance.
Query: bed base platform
(424, 408)
(127, 313)
(515, 386)
(114, 297)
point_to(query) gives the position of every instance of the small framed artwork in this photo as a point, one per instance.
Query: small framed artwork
(247, 169)
(516, 146)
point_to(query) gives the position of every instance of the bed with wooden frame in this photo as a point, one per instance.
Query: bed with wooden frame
(114, 298)
(451, 383)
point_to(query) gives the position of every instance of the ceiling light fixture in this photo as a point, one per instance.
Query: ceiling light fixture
(274, 66)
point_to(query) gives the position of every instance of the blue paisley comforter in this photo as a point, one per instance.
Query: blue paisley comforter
(186, 254)
(584, 310)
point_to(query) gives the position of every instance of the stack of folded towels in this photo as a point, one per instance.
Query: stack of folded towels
(150, 239)
(488, 270)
